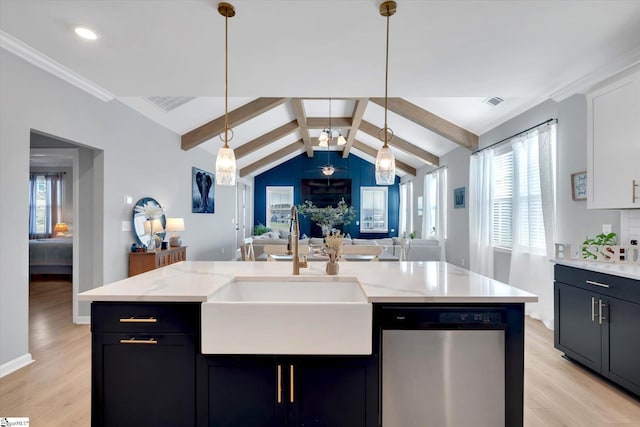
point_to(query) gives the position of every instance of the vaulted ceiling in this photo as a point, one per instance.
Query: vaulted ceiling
(165, 59)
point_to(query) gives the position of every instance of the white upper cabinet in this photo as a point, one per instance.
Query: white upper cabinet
(613, 145)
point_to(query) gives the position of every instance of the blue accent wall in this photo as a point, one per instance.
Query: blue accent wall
(291, 172)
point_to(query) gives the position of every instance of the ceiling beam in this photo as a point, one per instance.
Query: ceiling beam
(373, 153)
(358, 112)
(236, 117)
(430, 121)
(266, 139)
(402, 145)
(273, 158)
(323, 122)
(301, 118)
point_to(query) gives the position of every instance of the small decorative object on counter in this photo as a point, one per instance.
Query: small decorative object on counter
(333, 249)
(134, 247)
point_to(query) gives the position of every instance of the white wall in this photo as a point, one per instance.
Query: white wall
(133, 157)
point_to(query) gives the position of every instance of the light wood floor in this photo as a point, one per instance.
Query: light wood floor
(55, 389)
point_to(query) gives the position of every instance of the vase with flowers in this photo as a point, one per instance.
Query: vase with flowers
(333, 249)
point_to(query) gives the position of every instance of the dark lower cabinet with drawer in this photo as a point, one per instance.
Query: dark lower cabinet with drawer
(597, 323)
(144, 363)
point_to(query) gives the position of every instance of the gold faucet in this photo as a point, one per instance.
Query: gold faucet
(294, 237)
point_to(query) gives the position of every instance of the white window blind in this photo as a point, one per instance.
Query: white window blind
(503, 200)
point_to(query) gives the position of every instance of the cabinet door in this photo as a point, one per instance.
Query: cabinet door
(331, 392)
(614, 145)
(247, 392)
(621, 360)
(148, 383)
(578, 332)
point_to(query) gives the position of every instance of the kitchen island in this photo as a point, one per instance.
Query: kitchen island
(148, 367)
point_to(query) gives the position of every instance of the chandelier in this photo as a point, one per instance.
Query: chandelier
(327, 135)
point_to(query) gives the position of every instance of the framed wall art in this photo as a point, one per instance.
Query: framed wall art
(203, 186)
(459, 197)
(579, 186)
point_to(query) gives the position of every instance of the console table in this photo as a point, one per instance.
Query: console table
(140, 262)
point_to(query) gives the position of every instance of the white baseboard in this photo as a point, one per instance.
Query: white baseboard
(15, 364)
(83, 320)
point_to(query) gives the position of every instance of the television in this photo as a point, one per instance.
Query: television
(324, 192)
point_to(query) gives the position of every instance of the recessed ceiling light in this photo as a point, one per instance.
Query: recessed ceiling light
(86, 33)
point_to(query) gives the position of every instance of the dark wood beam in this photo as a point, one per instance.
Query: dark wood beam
(373, 153)
(301, 118)
(236, 117)
(358, 112)
(272, 158)
(266, 139)
(402, 145)
(430, 121)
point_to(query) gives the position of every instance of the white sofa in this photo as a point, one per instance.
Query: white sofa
(424, 250)
(392, 245)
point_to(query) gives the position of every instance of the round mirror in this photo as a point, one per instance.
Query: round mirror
(143, 225)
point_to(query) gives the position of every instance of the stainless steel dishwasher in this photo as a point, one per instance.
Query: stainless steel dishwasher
(443, 367)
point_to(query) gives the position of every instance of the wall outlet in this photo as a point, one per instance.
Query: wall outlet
(126, 225)
(606, 228)
(222, 250)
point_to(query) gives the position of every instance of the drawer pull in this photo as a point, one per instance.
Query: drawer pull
(136, 341)
(291, 394)
(600, 305)
(279, 391)
(602, 285)
(138, 320)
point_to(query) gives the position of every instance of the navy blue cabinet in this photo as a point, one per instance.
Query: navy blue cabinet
(265, 391)
(596, 323)
(144, 364)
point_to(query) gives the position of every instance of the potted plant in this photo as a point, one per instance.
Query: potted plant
(601, 239)
(328, 218)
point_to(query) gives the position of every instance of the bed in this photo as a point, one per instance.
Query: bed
(51, 256)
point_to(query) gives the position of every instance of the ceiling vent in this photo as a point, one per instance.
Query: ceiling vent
(168, 103)
(493, 101)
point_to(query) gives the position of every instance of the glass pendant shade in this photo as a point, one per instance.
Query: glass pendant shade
(225, 167)
(385, 167)
(341, 140)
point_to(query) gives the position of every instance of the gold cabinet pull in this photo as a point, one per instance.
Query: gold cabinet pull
(593, 309)
(138, 320)
(279, 391)
(136, 341)
(291, 384)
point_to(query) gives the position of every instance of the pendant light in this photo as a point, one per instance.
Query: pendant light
(226, 159)
(385, 161)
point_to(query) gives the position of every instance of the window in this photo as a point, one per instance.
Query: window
(503, 200)
(40, 205)
(406, 209)
(279, 202)
(435, 212)
(45, 203)
(373, 209)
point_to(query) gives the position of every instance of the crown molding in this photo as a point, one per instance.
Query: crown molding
(600, 74)
(29, 54)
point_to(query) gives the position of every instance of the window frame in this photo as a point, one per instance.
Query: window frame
(370, 218)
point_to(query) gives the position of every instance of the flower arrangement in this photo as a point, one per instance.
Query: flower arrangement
(333, 245)
(150, 210)
(328, 218)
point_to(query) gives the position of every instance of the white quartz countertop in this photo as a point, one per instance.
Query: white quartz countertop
(382, 282)
(630, 271)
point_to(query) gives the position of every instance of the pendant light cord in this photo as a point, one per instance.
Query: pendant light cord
(386, 81)
(226, 79)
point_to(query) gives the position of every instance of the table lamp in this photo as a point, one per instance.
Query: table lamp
(175, 225)
(60, 229)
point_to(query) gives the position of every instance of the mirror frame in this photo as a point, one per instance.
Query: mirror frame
(137, 226)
